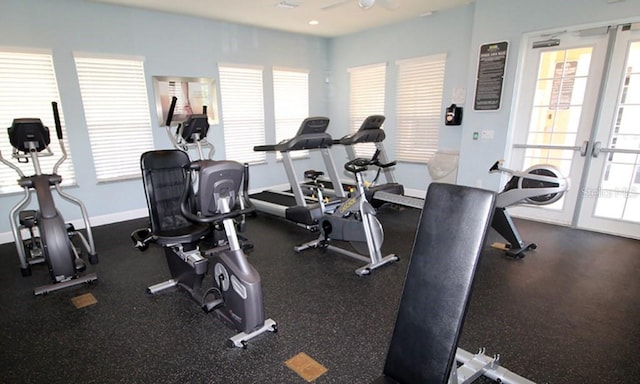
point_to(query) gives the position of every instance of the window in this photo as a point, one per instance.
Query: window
(242, 103)
(367, 87)
(419, 107)
(116, 108)
(291, 104)
(28, 88)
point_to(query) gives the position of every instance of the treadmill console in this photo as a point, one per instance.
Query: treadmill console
(369, 132)
(372, 122)
(312, 125)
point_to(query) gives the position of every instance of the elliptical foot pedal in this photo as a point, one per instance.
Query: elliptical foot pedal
(241, 339)
(27, 218)
(70, 227)
(80, 266)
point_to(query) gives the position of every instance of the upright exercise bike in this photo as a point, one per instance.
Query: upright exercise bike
(50, 239)
(538, 185)
(354, 220)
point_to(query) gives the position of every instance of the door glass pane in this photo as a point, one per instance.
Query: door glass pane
(619, 193)
(557, 109)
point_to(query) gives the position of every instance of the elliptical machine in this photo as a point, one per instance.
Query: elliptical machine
(50, 239)
(184, 222)
(539, 185)
(354, 220)
(192, 134)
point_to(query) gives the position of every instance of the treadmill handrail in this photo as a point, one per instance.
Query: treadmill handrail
(299, 143)
(376, 135)
(312, 134)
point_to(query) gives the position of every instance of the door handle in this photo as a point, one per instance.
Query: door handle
(597, 146)
(584, 148)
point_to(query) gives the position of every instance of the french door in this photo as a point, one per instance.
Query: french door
(579, 110)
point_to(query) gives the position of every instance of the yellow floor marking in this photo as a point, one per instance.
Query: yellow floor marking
(306, 367)
(501, 246)
(84, 300)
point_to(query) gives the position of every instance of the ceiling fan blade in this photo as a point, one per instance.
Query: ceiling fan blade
(390, 5)
(334, 4)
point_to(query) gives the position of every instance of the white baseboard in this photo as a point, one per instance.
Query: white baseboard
(96, 221)
(419, 193)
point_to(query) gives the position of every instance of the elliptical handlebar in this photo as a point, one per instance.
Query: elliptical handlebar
(172, 108)
(56, 118)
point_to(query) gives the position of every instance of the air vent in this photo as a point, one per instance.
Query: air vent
(287, 5)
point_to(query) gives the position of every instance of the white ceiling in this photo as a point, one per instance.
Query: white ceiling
(334, 17)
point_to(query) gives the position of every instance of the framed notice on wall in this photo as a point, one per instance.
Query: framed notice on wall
(492, 63)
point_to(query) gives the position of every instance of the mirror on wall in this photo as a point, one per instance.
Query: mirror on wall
(192, 92)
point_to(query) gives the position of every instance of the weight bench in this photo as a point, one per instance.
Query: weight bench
(437, 287)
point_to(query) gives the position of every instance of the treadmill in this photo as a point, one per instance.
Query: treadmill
(371, 132)
(294, 205)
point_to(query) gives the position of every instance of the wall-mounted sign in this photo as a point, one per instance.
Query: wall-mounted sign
(564, 78)
(492, 62)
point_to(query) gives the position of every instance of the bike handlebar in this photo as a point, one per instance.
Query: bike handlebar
(495, 167)
(360, 164)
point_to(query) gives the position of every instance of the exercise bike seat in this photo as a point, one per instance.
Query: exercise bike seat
(164, 173)
(312, 174)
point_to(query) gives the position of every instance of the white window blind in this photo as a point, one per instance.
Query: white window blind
(419, 107)
(116, 108)
(27, 88)
(291, 104)
(366, 87)
(242, 103)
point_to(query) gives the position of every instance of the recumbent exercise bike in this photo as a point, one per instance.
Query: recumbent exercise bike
(50, 238)
(538, 185)
(354, 220)
(198, 229)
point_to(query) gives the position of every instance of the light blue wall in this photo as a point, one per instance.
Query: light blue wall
(171, 45)
(185, 46)
(444, 32)
(499, 20)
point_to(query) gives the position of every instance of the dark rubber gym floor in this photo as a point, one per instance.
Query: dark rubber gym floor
(567, 313)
